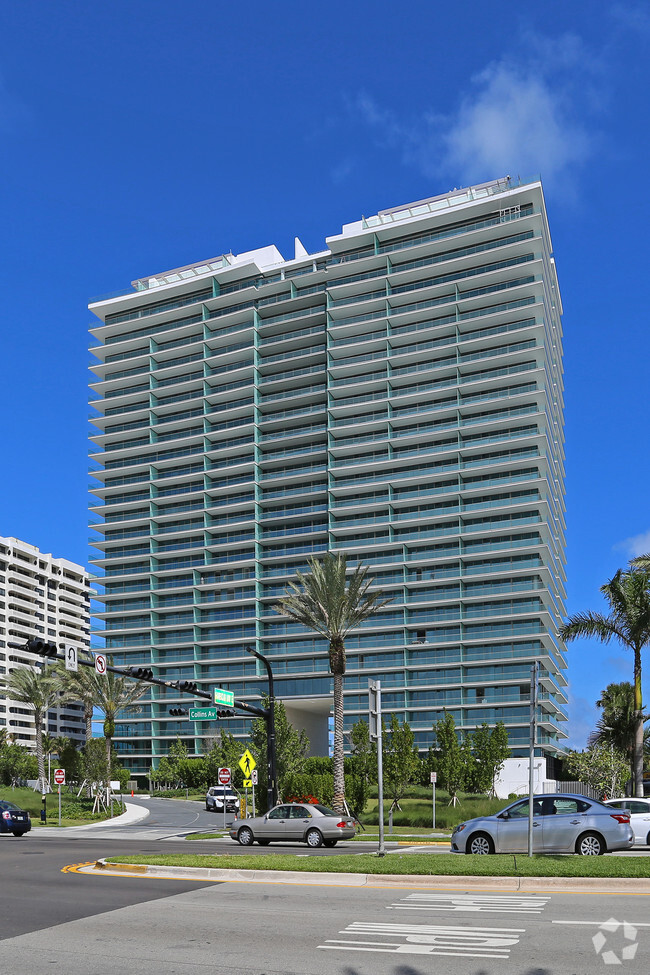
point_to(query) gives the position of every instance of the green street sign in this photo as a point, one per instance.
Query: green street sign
(203, 714)
(226, 698)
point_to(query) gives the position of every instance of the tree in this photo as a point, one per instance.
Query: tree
(111, 693)
(602, 767)
(489, 750)
(401, 760)
(291, 748)
(617, 723)
(362, 764)
(628, 621)
(37, 689)
(17, 764)
(326, 601)
(79, 686)
(450, 758)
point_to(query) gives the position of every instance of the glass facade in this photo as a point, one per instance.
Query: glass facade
(397, 397)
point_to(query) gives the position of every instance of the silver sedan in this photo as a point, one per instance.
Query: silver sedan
(561, 824)
(314, 825)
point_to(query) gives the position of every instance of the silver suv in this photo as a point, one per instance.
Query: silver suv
(217, 795)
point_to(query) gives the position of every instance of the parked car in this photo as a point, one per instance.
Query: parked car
(561, 824)
(314, 825)
(217, 795)
(13, 819)
(639, 810)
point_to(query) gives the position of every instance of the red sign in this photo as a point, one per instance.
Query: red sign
(224, 776)
(59, 776)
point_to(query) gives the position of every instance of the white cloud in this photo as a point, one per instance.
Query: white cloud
(636, 545)
(518, 116)
(514, 122)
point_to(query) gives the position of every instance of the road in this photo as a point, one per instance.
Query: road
(96, 925)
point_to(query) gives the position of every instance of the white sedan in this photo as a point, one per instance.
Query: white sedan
(639, 810)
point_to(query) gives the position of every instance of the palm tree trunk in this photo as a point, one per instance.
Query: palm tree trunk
(339, 772)
(638, 731)
(88, 718)
(44, 785)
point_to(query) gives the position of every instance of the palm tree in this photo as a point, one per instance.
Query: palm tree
(110, 693)
(628, 596)
(326, 601)
(38, 689)
(617, 723)
(79, 686)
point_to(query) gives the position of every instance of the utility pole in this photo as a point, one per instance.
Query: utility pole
(375, 729)
(272, 788)
(534, 679)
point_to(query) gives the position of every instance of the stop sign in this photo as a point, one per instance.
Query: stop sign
(224, 776)
(59, 776)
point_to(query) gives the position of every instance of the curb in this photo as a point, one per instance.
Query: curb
(134, 814)
(593, 885)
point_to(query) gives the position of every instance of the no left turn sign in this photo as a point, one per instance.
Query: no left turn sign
(100, 663)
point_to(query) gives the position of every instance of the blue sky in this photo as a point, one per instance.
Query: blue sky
(136, 137)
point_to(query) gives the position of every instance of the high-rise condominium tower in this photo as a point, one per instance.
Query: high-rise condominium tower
(40, 596)
(396, 396)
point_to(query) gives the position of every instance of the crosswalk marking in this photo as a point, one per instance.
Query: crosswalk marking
(471, 903)
(427, 939)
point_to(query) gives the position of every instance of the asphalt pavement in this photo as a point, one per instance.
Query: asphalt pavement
(89, 924)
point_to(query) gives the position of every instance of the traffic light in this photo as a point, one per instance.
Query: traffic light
(177, 712)
(141, 673)
(42, 648)
(225, 712)
(190, 686)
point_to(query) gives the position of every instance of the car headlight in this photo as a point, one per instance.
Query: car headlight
(459, 828)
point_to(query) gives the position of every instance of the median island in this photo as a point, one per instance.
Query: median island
(409, 864)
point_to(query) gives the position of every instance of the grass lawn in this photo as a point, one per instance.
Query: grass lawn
(74, 812)
(422, 864)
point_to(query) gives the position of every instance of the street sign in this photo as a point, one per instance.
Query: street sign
(224, 777)
(254, 776)
(247, 763)
(433, 777)
(203, 714)
(59, 776)
(100, 663)
(71, 659)
(248, 783)
(224, 697)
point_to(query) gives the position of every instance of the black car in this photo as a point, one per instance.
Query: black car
(13, 819)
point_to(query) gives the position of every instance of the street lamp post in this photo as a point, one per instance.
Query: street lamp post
(272, 788)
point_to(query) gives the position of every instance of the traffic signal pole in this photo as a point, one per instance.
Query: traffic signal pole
(145, 675)
(272, 787)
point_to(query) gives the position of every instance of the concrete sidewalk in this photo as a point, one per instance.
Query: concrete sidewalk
(133, 814)
(593, 885)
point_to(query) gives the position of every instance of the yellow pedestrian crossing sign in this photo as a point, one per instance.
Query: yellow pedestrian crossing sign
(247, 763)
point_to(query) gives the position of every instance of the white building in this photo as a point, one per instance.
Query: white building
(40, 596)
(396, 396)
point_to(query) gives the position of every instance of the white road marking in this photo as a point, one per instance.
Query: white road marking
(428, 939)
(636, 924)
(471, 903)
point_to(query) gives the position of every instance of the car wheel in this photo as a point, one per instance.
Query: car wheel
(207, 808)
(330, 843)
(480, 844)
(245, 836)
(314, 838)
(263, 842)
(590, 845)
(647, 840)
(18, 832)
